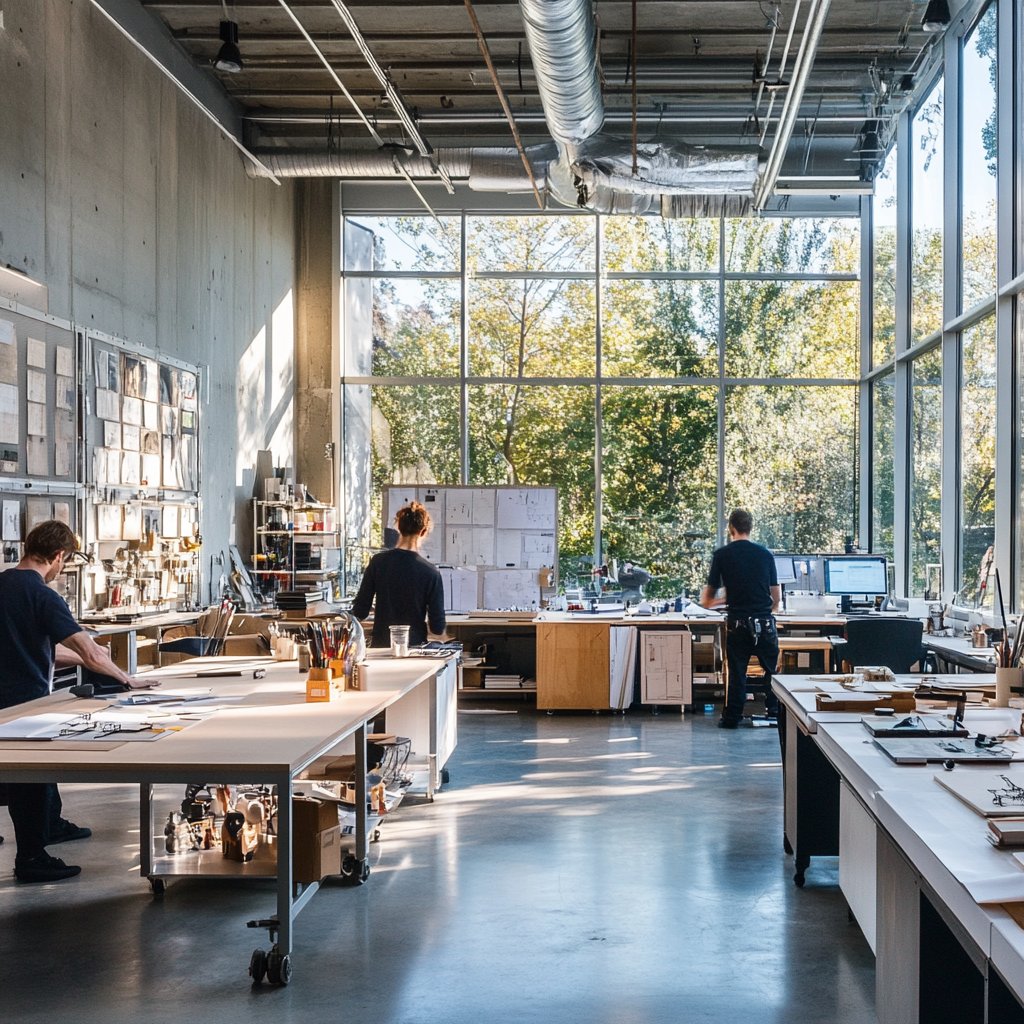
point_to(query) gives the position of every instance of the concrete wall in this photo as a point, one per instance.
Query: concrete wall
(121, 197)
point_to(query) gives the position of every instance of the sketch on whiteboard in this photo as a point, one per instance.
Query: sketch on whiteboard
(538, 550)
(460, 589)
(522, 509)
(467, 545)
(511, 588)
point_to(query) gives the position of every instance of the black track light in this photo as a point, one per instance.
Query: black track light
(229, 58)
(936, 16)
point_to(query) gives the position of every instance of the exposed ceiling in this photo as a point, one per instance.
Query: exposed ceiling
(699, 66)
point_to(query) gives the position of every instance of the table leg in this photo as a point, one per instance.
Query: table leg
(362, 850)
(146, 829)
(284, 864)
(133, 652)
(433, 779)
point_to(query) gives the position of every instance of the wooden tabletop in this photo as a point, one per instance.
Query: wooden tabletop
(271, 729)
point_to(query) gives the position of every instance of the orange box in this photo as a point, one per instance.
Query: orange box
(318, 685)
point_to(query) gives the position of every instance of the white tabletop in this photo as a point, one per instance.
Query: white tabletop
(271, 728)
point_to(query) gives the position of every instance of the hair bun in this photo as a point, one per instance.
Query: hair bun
(412, 520)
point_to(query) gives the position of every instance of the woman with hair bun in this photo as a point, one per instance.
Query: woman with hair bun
(406, 586)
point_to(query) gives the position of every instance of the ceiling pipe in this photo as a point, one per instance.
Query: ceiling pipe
(394, 96)
(794, 96)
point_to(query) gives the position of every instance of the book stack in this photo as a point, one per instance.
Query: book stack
(1006, 831)
(498, 681)
(297, 600)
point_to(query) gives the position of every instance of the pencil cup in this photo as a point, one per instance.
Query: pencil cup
(338, 673)
(1005, 678)
(318, 685)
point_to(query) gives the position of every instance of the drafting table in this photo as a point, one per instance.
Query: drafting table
(270, 736)
(123, 637)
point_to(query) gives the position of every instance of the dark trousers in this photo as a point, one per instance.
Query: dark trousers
(35, 808)
(740, 647)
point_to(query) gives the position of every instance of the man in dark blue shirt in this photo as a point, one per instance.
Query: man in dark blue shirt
(34, 620)
(752, 594)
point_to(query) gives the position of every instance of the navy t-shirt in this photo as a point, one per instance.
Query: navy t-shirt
(747, 571)
(408, 590)
(33, 620)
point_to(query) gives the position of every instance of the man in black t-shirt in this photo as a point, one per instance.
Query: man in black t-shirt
(752, 594)
(34, 620)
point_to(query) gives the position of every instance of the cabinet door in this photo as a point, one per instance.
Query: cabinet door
(572, 665)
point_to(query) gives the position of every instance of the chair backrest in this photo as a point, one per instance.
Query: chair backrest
(895, 643)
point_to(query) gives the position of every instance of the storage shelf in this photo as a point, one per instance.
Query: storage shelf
(298, 533)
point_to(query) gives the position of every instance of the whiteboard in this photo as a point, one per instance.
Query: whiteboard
(487, 528)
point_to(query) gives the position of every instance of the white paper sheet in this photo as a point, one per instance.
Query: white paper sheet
(539, 550)
(130, 436)
(460, 589)
(108, 522)
(511, 588)
(62, 512)
(468, 545)
(36, 389)
(10, 424)
(37, 510)
(131, 411)
(131, 529)
(6, 332)
(37, 419)
(150, 471)
(130, 469)
(36, 353)
(108, 405)
(61, 458)
(65, 362)
(523, 509)
(64, 397)
(10, 528)
(169, 521)
(111, 434)
(509, 549)
(151, 415)
(36, 458)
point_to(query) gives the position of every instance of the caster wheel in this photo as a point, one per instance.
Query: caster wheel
(355, 872)
(375, 838)
(445, 777)
(158, 885)
(786, 845)
(258, 966)
(798, 879)
(551, 712)
(279, 968)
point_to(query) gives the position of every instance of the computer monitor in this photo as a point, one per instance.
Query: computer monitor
(851, 578)
(784, 569)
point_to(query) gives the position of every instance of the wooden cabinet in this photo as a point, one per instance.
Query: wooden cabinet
(573, 666)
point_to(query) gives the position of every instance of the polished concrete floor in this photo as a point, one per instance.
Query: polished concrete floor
(595, 869)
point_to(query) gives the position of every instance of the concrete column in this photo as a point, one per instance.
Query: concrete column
(317, 308)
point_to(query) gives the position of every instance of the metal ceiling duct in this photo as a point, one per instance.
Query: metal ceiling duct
(563, 49)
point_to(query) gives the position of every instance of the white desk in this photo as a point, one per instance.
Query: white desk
(270, 736)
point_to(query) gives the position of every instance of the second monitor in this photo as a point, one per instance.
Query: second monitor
(858, 579)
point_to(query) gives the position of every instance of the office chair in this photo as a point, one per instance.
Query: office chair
(895, 643)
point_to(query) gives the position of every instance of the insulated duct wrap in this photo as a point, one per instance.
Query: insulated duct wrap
(364, 163)
(563, 48)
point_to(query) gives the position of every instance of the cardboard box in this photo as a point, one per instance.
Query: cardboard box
(312, 816)
(318, 856)
(318, 686)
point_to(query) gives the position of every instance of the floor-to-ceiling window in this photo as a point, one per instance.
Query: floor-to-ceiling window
(503, 347)
(883, 426)
(884, 261)
(925, 490)
(926, 213)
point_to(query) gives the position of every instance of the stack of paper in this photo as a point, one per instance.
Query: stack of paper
(497, 681)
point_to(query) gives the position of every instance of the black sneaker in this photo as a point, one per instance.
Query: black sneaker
(44, 868)
(66, 832)
(728, 723)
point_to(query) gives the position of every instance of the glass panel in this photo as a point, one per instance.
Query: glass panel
(660, 472)
(541, 435)
(884, 218)
(790, 458)
(926, 217)
(925, 475)
(531, 328)
(660, 329)
(414, 439)
(978, 155)
(792, 328)
(977, 461)
(530, 243)
(416, 327)
(403, 243)
(789, 245)
(883, 423)
(657, 243)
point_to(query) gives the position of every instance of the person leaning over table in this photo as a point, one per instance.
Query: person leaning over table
(752, 594)
(407, 587)
(36, 629)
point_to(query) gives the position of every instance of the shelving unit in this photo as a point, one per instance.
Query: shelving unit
(274, 561)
